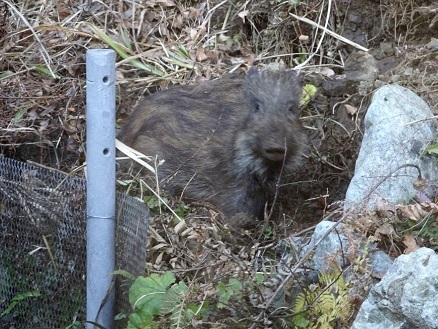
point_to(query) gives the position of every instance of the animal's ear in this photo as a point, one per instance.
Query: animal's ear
(252, 72)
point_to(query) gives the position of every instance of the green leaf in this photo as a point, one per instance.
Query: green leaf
(75, 325)
(226, 291)
(182, 209)
(123, 52)
(432, 149)
(16, 299)
(120, 316)
(19, 115)
(150, 293)
(300, 321)
(125, 274)
(141, 320)
(179, 57)
(5, 74)
(179, 289)
(125, 39)
(95, 324)
(260, 278)
(308, 92)
(44, 70)
(153, 203)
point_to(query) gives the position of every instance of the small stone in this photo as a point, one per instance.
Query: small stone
(433, 45)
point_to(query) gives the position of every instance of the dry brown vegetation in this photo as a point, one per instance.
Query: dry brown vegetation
(162, 42)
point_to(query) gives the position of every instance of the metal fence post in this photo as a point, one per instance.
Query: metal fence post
(100, 114)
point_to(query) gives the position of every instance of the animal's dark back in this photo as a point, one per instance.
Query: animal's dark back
(181, 124)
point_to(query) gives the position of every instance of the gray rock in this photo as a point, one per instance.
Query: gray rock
(380, 263)
(360, 73)
(433, 44)
(386, 64)
(387, 48)
(407, 296)
(392, 140)
(324, 254)
(336, 247)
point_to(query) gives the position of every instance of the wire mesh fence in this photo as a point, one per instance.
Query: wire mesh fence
(42, 246)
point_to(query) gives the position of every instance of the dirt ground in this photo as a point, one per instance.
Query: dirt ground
(43, 110)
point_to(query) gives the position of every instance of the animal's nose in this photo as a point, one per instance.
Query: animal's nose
(275, 153)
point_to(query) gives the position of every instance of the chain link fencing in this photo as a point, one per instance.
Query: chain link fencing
(42, 246)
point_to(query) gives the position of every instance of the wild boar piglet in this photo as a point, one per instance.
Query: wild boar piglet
(224, 141)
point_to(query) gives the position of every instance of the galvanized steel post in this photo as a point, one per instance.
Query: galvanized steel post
(101, 195)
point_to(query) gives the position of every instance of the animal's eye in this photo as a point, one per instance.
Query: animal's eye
(291, 109)
(257, 107)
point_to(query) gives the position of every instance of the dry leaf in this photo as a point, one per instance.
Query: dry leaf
(43, 125)
(420, 196)
(159, 246)
(200, 54)
(159, 258)
(163, 3)
(120, 76)
(188, 232)
(63, 9)
(193, 13)
(385, 229)
(193, 33)
(419, 211)
(180, 226)
(72, 144)
(328, 72)
(411, 244)
(385, 209)
(352, 110)
(303, 38)
(243, 14)
(173, 263)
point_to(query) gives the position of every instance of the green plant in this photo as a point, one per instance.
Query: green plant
(227, 290)
(159, 298)
(154, 204)
(426, 230)
(126, 53)
(19, 298)
(319, 307)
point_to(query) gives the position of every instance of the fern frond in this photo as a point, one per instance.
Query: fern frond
(325, 303)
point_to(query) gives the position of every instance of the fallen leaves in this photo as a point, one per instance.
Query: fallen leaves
(411, 244)
(417, 212)
(413, 224)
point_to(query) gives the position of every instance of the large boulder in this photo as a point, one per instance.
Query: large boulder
(398, 127)
(407, 296)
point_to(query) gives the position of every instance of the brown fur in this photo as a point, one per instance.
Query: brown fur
(223, 141)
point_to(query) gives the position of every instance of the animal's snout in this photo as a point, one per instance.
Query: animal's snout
(275, 153)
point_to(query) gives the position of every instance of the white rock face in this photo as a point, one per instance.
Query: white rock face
(407, 296)
(396, 133)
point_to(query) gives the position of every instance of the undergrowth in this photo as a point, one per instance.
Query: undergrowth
(161, 301)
